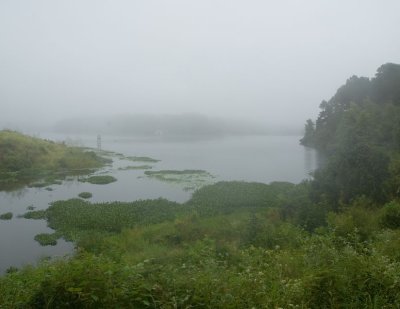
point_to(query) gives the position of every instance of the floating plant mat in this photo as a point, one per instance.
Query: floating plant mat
(135, 167)
(189, 179)
(99, 180)
(141, 159)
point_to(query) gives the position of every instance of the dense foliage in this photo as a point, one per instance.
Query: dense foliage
(358, 131)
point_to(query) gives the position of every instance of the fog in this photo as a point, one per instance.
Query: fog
(266, 62)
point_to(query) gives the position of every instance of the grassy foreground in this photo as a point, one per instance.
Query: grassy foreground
(233, 245)
(24, 159)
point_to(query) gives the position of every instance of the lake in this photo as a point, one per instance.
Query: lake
(249, 158)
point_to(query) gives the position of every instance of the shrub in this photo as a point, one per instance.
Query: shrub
(391, 215)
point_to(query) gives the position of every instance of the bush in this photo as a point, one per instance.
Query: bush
(363, 222)
(391, 215)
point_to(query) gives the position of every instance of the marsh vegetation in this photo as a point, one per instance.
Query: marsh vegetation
(254, 246)
(189, 179)
(99, 179)
(141, 159)
(135, 167)
(45, 239)
(6, 216)
(85, 195)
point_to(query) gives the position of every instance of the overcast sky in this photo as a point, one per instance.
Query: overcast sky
(270, 61)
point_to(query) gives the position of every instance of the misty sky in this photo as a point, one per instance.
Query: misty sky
(270, 61)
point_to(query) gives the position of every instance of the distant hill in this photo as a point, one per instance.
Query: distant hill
(168, 125)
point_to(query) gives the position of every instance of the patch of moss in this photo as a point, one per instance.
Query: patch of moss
(6, 216)
(85, 195)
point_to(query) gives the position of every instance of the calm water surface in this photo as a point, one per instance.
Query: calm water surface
(252, 158)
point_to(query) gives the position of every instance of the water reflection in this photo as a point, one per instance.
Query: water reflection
(310, 160)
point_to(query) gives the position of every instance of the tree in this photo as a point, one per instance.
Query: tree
(309, 134)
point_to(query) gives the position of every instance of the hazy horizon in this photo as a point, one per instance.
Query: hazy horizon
(264, 62)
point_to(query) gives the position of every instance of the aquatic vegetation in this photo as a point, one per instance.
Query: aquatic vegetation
(49, 189)
(30, 207)
(6, 216)
(99, 180)
(189, 179)
(85, 195)
(46, 239)
(141, 159)
(35, 214)
(230, 241)
(75, 215)
(135, 167)
(228, 196)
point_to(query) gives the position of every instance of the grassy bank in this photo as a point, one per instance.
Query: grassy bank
(24, 159)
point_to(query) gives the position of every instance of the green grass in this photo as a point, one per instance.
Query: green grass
(26, 159)
(99, 180)
(85, 195)
(6, 216)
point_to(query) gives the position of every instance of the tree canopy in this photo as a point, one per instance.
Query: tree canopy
(358, 131)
